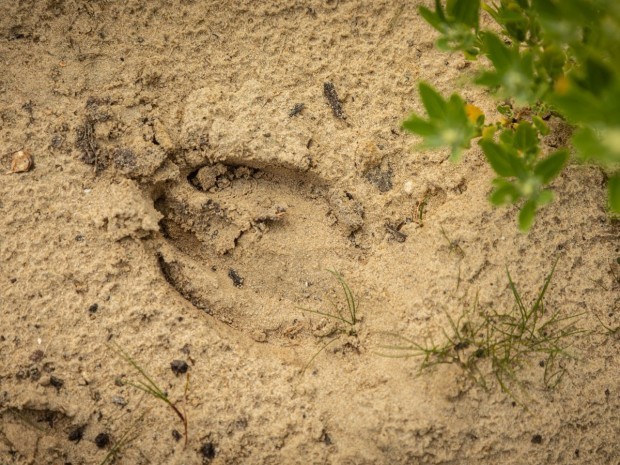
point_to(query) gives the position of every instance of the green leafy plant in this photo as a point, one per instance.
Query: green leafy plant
(147, 385)
(552, 57)
(346, 315)
(496, 345)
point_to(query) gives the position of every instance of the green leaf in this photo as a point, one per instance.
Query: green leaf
(526, 215)
(551, 166)
(597, 77)
(419, 126)
(542, 127)
(447, 123)
(505, 109)
(545, 197)
(439, 11)
(455, 109)
(431, 18)
(498, 158)
(465, 11)
(586, 142)
(614, 193)
(603, 147)
(526, 138)
(489, 79)
(499, 54)
(552, 60)
(578, 106)
(505, 192)
(435, 105)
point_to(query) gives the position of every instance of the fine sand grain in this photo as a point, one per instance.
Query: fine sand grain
(196, 166)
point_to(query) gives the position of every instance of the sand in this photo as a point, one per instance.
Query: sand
(197, 166)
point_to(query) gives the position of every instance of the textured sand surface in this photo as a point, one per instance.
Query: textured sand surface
(184, 205)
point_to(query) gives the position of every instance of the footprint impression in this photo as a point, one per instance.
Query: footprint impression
(247, 231)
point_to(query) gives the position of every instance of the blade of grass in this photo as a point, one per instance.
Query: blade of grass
(150, 387)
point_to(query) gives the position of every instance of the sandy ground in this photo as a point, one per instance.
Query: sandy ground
(183, 205)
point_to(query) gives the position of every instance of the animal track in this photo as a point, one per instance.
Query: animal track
(244, 244)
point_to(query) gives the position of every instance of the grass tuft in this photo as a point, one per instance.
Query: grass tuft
(496, 345)
(347, 314)
(350, 316)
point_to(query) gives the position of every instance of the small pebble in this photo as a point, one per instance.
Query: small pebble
(56, 382)
(77, 434)
(102, 440)
(118, 400)
(208, 450)
(408, 187)
(236, 279)
(21, 162)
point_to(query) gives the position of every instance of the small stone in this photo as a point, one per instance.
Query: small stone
(208, 451)
(537, 439)
(118, 400)
(326, 438)
(408, 187)
(85, 378)
(21, 162)
(179, 367)
(102, 440)
(259, 335)
(298, 108)
(56, 382)
(77, 434)
(236, 279)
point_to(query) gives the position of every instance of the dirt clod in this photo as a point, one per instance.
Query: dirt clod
(77, 434)
(56, 382)
(297, 109)
(102, 440)
(179, 367)
(329, 91)
(208, 452)
(37, 355)
(236, 279)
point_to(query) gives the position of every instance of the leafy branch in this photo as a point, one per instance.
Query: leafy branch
(553, 57)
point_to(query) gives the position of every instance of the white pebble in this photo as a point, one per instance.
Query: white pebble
(408, 187)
